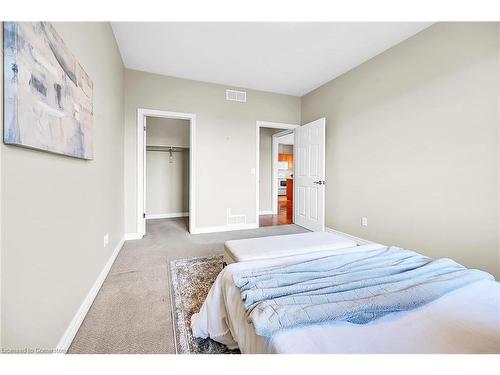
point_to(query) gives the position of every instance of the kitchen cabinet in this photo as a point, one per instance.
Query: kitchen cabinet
(289, 199)
(288, 158)
(289, 189)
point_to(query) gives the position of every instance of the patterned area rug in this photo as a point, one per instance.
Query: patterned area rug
(190, 281)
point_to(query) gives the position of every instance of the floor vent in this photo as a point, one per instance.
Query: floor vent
(236, 96)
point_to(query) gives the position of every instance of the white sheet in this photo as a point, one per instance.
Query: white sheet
(283, 245)
(464, 321)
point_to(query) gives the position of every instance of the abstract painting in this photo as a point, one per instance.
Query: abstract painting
(47, 94)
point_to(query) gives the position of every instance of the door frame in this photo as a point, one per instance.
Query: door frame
(142, 113)
(273, 125)
(274, 174)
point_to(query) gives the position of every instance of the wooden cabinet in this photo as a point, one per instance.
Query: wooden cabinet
(289, 189)
(289, 199)
(288, 158)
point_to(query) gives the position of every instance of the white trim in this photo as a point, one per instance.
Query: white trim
(274, 125)
(224, 228)
(358, 240)
(266, 212)
(141, 159)
(68, 336)
(167, 216)
(132, 236)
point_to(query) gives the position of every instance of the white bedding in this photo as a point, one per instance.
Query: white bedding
(282, 246)
(464, 321)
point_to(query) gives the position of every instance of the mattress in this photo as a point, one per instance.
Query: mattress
(282, 246)
(466, 320)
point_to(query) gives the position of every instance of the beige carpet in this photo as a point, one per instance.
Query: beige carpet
(131, 313)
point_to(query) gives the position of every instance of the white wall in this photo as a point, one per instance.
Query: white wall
(167, 131)
(225, 140)
(412, 144)
(287, 139)
(167, 184)
(285, 148)
(56, 210)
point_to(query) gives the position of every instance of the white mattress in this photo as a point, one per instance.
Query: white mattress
(282, 246)
(464, 321)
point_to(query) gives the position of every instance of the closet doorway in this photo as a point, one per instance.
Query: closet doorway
(165, 167)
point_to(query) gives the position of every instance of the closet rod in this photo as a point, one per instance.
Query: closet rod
(166, 148)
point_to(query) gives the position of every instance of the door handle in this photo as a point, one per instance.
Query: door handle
(320, 182)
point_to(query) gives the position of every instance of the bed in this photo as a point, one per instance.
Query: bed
(283, 245)
(466, 320)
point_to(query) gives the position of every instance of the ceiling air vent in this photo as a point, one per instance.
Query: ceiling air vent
(236, 96)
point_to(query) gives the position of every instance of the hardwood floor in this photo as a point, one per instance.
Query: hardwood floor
(284, 215)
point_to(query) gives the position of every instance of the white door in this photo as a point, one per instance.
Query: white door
(309, 178)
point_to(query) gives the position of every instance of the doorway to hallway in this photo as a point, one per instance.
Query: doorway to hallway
(275, 174)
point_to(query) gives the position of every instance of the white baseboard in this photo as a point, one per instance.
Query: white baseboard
(266, 212)
(224, 228)
(358, 240)
(74, 325)
(132, 236)
(166, 216)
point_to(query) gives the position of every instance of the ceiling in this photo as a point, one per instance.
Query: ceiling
(283, 57)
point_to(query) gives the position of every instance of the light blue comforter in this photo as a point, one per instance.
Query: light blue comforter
(356, 287)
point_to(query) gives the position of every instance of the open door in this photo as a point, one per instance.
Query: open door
(309, 178)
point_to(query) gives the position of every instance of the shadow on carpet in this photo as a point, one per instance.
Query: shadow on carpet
(190, 282)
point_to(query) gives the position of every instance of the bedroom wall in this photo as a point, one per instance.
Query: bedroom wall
(412, 144)
(56, 210)
(167, 184)
(225, 140)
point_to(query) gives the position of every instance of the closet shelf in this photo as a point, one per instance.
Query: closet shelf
(166, 148)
